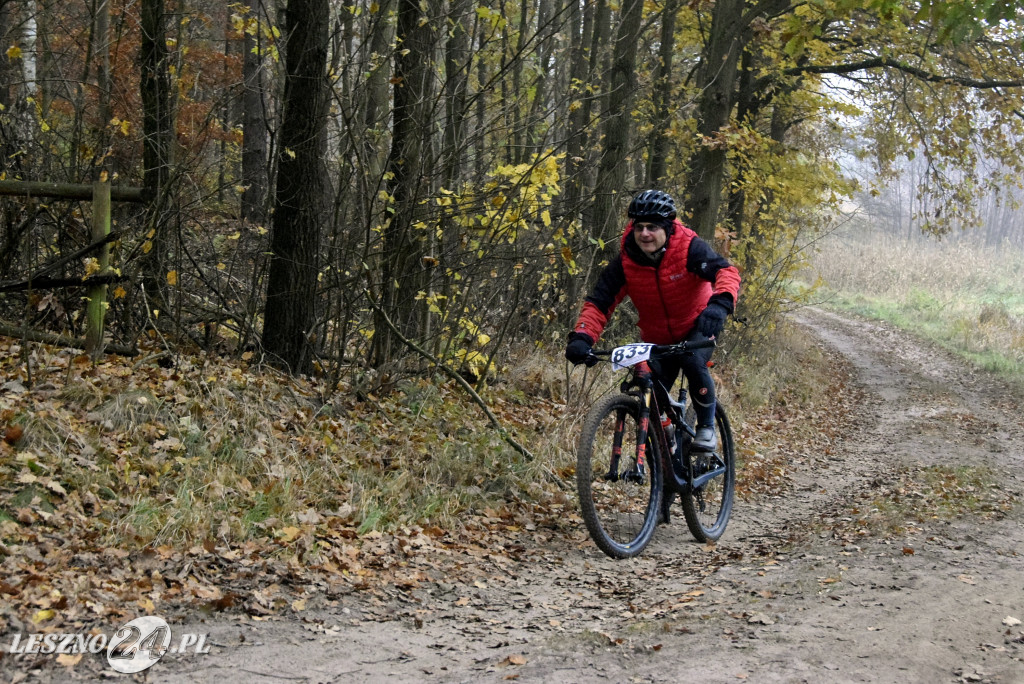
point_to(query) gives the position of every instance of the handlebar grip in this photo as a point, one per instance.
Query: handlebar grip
(683, 347)
(703, 344)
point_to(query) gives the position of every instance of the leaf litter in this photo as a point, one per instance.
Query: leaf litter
(96, 442)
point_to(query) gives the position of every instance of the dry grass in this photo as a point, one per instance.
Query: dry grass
(207, 450)
(964, 296)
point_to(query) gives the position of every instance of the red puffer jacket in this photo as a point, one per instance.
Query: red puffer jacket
(668, 294)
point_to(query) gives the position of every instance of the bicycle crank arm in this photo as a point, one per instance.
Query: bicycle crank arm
(680, 483)
(702, 480)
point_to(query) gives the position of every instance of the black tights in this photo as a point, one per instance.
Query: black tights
(698, 379)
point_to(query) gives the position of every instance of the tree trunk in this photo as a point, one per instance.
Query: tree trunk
(403, 273)
(8, 142)
(716, 79)
(458, 63)
(611, 173)
(481, 152)
(158, 139)
(103, 81)
(658, 154)
(518, 135)
(546, 11)
(375, 110)
(301, 195)
(585, 42)
(255, 178)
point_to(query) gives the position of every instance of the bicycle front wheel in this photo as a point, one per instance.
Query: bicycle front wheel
(619, 492)
(708, 506)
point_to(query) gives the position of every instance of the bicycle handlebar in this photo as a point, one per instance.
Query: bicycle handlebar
(668, 349)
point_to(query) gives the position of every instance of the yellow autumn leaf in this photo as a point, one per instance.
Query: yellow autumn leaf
(172, 277)
(147, 247)
(119, 292)
(92, 266)
(43, 615)
(14, 52)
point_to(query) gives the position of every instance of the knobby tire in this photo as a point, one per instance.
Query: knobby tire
(707, 509)
(620, 512)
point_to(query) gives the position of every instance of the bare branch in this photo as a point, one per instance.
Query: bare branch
(890, 63)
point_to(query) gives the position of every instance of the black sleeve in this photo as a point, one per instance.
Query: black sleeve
(705, 262)
(609, 284)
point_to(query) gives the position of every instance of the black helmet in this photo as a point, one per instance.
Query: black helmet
(652, 203)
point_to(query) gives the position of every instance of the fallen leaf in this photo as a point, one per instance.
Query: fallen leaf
(310, 516)
(68, 660)
(1010, 621)
(966, 579)
(908, 551)
(13, 433)
(42, 615)
(760, 619)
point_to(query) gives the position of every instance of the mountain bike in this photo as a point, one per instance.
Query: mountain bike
(629, 467)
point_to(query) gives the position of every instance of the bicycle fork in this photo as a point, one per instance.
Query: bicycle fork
(637, 471)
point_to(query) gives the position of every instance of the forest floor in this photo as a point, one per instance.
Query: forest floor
(889, 551)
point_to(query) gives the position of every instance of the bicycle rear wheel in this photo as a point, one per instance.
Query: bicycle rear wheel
(619, 497)
(707, 507)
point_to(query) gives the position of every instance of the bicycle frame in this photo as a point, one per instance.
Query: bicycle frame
(642, 378)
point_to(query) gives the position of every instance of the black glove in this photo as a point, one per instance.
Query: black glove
(578, 350)
(712, 320)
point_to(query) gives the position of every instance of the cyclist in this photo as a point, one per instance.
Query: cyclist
(682, 290)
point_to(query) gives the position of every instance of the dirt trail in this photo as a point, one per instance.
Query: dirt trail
(796, 591)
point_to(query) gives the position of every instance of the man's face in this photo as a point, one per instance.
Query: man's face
(649, 237)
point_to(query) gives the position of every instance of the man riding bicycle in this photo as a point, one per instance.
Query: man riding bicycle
(682, 290)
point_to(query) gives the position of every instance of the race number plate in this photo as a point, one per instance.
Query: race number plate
(630, 355)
